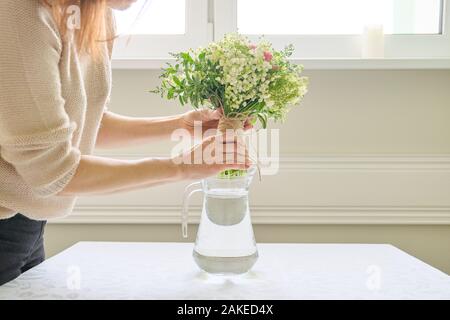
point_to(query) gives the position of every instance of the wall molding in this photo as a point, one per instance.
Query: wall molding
(336, 161)
(408, 212)
(265, 215)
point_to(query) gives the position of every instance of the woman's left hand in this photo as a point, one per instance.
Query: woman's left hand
(209, 119)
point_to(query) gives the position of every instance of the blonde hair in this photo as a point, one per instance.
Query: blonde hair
(96, 23)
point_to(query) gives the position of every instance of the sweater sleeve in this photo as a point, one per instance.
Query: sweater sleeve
(35, 130)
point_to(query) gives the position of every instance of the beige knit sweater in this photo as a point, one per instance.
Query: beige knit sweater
(51, 104)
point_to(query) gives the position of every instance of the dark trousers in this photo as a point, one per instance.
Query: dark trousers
(21, 246)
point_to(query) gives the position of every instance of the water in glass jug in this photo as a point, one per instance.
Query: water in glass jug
(225, 241)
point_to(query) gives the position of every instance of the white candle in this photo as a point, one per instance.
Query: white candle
(373, 41)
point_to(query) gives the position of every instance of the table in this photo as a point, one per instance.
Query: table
(107, 270)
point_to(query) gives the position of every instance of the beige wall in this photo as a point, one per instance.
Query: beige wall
(346, 113)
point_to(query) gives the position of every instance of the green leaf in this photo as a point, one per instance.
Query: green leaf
(177, 81)
(187, 57)
(170, 93)
(263, 120)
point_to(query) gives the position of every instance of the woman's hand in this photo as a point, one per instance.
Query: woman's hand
(209, 119)
(214, 155)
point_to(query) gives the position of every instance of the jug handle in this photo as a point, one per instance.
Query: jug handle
(185, 211)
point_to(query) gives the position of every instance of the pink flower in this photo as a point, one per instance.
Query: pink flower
(268, 56)
(252, 47)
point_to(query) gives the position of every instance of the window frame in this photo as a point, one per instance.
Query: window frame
(209, 20)
(132, 47)
(397, 46)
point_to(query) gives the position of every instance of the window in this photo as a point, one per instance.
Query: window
(153, 17)
(153, 28)
(321, 30)
(328, 29)
(338, 16)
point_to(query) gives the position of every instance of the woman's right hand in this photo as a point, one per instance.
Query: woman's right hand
(98, 175)
(214, 155)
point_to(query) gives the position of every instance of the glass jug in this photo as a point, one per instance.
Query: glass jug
(225, 241)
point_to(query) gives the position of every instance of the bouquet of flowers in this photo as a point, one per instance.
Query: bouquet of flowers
(246, 80)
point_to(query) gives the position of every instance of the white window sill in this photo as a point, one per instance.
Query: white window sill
(312, 64)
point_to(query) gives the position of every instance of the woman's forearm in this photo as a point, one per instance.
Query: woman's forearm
(97, 175)
(121, 131)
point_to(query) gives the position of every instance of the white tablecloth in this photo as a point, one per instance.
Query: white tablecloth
(99, 270)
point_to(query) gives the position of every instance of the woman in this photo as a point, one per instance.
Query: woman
(54, 85)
